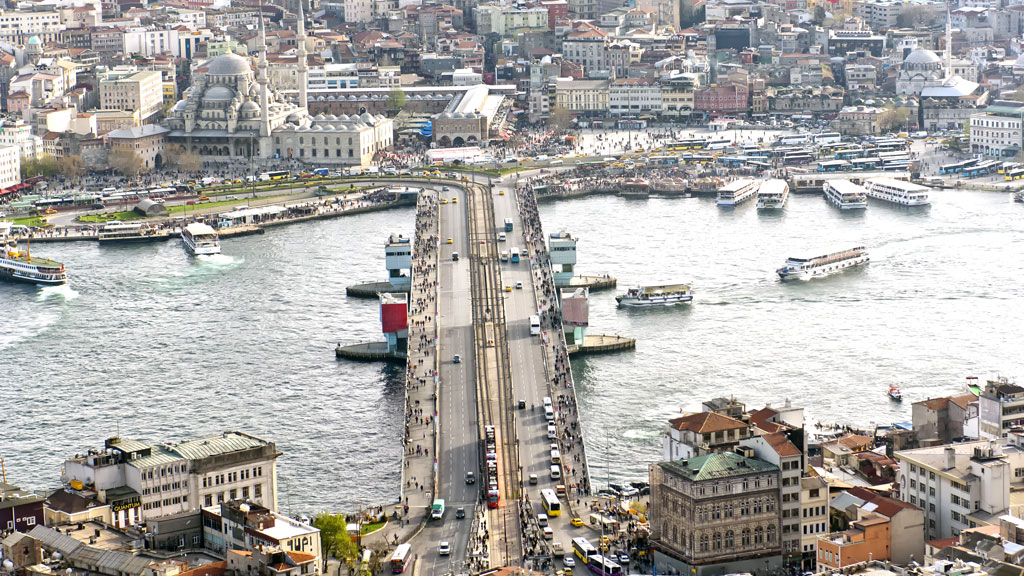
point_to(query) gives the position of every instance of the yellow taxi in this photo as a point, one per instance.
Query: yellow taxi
(455, 200)
(49, 211)
(508, 288)
(449, 240)
(238, 180)
(444, 200)
(203, 198)
(501, 192)
(576, 522)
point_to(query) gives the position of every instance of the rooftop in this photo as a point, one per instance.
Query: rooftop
(716, 466)
(706, 422)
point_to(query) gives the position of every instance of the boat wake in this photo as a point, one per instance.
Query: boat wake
(64, 291)
(220, 260)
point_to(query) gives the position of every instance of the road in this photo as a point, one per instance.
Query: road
(457, 416)
(529, 378)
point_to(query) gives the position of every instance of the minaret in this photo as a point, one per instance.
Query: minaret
(949, 44)
(300, 41)
(262, 79)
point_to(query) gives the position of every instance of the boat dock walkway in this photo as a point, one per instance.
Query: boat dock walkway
(602, 344)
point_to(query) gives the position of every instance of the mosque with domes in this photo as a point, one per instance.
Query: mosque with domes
(229, 113)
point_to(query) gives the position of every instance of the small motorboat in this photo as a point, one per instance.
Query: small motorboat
(895, 394)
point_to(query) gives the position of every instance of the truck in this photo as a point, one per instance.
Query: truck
(508, 224)
(437, 510)
(515, 255)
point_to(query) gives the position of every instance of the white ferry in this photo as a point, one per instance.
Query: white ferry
(115, 231)
(737, 192)
(22, 267)
(805, 268)
(772, 194)
(665, 295)
(845, 194)
(897, 191)
(200, 239)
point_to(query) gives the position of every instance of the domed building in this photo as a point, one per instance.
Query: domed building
(229, 113)
(921, 68)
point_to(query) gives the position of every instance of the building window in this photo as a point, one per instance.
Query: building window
(745, 538)
(758, 536)
(704, 543)
(208, 500)
(730, 540)
(257, 491)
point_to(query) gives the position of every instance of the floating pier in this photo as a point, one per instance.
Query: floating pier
(369, 352)
(601, 344)
(370, 289)
(593, 283)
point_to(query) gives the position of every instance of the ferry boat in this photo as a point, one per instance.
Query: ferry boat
(115, 231)
(22, 267)
(200, 239)
(737, 192)
(665, 295)
(772, 194)
(845, 194)
(805, 268)
(897, 191)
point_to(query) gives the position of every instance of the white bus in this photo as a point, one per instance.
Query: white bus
(534, 325)
(828, 138)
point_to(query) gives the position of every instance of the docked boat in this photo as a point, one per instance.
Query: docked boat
(116, 232)
(737, 192)
(772, 194)
(897, 191)
(805, 268)
(1018, 196)
(665, 295)
(20, 266)
(845, 194)
(895, 394)
(201, 239)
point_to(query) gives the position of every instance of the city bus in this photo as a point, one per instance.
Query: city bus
(401, 558)
(550, 501)
(583, 549)
(1006, 167)
(515, 255)
(720, 144)
(493, 497)
(758, 165)
(888, 145)
(1015, 174)
(833, 166)
(664, 160)
(534, 325)
(828, 138)
(848, 152)
(508, 224)
(792, 139)
(732, 161)
(865, 163)
(696, 159)
(603, 566)
(688, 144)
(274, 175)
(957, 167)
(797, 158)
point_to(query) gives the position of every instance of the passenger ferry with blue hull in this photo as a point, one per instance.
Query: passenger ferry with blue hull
(22, 267)
(845, 194)
(737, 192)
(829, 263)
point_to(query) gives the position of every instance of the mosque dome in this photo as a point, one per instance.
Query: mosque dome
(219, 93)
(229, 64)
(922, 57)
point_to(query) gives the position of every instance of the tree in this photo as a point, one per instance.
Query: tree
(127, 162)
(915, 17)
(179, 157)
(396, 98)
(32, 167)
(559, 119)
(893, 117)
(72, 167)
(819, 14)
(334, 538)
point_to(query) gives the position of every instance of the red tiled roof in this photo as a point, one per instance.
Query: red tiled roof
(883, 505)
(705, 422)
(212, 569)
(854, 441)
(782, 446)
(302, 557)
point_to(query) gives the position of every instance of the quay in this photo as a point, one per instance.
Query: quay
(371, 289)
(601, 344)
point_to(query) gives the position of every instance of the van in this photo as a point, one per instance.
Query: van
(547, 401)
(548, 533)
(556, 457)
(556, 163)
(552, 431)
(501, 236)
(556, 472)
(549, 414)
(542, 520)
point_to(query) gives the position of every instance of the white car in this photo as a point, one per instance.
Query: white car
(568, 562)
(445, 549)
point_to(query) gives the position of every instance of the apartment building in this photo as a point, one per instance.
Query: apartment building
(634, 96)
(1000, 407)
(582, 96)
(142, 91)
(702, 433)
(241, 525)
(778, 450)
(141, 480)
(814, 517)
(17, 27)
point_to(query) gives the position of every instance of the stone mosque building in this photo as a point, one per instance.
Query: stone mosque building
(229, 113)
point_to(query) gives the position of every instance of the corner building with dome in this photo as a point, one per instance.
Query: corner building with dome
(229, 113)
